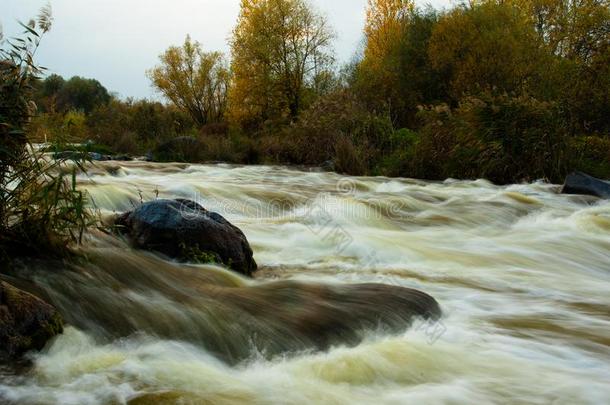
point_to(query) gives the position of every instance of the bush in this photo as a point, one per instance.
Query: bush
(398, 161)
(499, 137)
(591, 154)
(340, 128)
(348, 158)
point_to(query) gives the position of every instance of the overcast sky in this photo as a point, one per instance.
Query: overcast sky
(116, 41)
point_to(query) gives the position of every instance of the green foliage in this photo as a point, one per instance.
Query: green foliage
(41, 211)
(338, 128)
(194, 254)
(135, 127)
(398, 160)
(395, 73)
(508, 85)
(77, 94)
(82, 94)
(74, 125)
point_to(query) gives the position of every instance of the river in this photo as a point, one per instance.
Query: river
(522, 275)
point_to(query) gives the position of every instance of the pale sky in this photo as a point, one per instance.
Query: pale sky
(116, 41)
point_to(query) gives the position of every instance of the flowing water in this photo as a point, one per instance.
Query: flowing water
(522, 275)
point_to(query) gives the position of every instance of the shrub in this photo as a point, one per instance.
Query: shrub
(45, 127)
(398, 161)
(499, 137)
(179, 149)
(348, 158)
(591, 154)
(338, 127)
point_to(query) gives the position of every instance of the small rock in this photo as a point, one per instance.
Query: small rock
(26, 322)
(328, 166)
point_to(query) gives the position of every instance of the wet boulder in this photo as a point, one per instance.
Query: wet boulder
(184, 230)
(26, 322)
(581, 183)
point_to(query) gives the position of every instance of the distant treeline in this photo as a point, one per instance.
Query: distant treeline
(506, 90)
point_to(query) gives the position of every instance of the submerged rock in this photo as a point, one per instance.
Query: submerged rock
(122, 158)
(581, 183)
(186, 231)
(328, 166)
(228, 316)
(78, 155)
(26, 322)
(319, 315)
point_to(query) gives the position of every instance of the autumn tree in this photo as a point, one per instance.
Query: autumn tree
(489, 46)
(574, 29)
(280, 50)
(578, 32)
(380, 72)
(195, 81)
(384, 27)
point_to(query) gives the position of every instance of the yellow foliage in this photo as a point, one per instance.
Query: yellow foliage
(575, 29)
(279, 48)
(195, 81)
(490, 46)
(384, 26)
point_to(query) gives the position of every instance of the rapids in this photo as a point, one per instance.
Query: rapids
(521, 272)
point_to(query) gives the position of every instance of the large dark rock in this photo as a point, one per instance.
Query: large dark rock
(26, 322)
(184, 230)
(581, 183)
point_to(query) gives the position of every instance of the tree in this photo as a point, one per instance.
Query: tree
(51, 86)
(280, 48)
(574, 29)
(395, 74)
(81, 94)
(488, 46)
(195, 81)
(578, 33)
(379, 72)
(384, 27)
